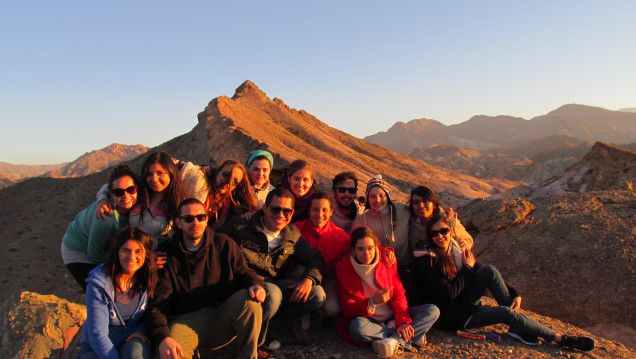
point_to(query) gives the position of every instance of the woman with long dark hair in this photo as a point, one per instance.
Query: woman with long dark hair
(157, 208)
(86, 239)
(424, 205)
(451, 278)
(117, 297)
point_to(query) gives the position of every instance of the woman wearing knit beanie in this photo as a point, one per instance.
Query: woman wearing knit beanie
(259, 165)
(390, 222)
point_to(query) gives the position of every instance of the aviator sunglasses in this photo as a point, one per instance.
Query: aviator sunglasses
(188, 218)
(276, 211)
(351, 190)
(442, 231)
(119, 192)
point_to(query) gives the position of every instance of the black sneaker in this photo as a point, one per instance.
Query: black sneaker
(525, 338)
(585, 344)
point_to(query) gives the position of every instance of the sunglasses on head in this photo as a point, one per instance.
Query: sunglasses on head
(442, 231)
(351, 190)
(188, 218)
(119, 192)
(276, 211)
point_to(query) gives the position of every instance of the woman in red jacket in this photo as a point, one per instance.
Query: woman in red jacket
(372, 298)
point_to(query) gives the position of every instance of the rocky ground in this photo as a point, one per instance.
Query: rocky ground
(36, 326)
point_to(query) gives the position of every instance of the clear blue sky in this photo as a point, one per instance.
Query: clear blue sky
(76, 76)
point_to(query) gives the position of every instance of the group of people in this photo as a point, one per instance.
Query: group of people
(192, 257)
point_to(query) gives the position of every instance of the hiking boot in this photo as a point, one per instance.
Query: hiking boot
(525, 338)
(386, 347)
(420, 342)
(585, 344)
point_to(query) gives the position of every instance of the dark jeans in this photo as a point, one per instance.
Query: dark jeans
(80, 271)
(278, 295)
(488, 277)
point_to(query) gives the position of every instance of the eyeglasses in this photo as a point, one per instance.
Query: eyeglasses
(188, 218)
(276, 211)
(119, 192)
(442, 231)
(351, 190)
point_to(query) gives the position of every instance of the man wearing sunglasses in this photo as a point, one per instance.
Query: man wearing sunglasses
(270, 244)
(206, 292)
(345, 187)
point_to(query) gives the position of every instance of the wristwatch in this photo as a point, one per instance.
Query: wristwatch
(371, 305)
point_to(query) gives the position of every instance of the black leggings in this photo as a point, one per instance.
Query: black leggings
(80, 271)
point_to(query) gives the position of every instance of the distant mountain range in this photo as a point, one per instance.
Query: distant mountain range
(86, 164)
(511, 147)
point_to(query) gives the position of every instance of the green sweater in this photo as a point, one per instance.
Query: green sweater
(87, 234)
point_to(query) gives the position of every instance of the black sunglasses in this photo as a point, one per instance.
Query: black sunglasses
(119, 192)
(188, 218)
(351, 190)
(442, 231)
(276, 211)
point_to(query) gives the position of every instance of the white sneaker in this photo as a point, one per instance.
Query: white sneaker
(385, 347)
(420, 342)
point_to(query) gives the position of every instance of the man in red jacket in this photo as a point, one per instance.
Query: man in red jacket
(330, 240)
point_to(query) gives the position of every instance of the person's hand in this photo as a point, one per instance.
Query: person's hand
(405, 331)
(463, 244)
(451, 214)
(170, 349)
(516, 304)
(162, 259)
(301, 290)
(139, 335)
(103, 209)
(257, 292)
(469, 258)
(389, 256)
(382, 296)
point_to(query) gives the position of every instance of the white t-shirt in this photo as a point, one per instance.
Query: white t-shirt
(273, 239)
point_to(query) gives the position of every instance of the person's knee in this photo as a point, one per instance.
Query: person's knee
(273, 300)
(331, 307)
(490, 271)
(356, 328)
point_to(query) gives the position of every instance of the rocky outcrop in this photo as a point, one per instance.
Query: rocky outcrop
(572, 256)
(604, 167)
(38, 326)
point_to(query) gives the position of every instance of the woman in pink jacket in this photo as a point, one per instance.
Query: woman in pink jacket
(373, 301)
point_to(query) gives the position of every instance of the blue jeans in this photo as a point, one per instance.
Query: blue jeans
(367, 329)
(518, 322)
(132, 349)
(488, 277)
(278, 295)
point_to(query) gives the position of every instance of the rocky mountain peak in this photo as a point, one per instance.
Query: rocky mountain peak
(249, 89)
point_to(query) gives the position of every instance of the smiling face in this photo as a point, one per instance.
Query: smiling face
(228, 178)
(320, 212)
(259, 172)
(125, 202)
(300, 182)
(378, 199)
(275, 217)
(365, 250)
(441, 240)
(422, 208)
(345, 200)
(158, 178)
(131, 256)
